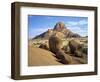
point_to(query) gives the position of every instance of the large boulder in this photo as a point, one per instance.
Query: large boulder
(64, 58)
(44, 46)
(74, 46)
(78, 53)
(55, 44)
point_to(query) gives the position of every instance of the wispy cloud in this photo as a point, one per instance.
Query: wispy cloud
(80, 27)
(76, 23)
(83, 22)
(71, 23)
(78, 30)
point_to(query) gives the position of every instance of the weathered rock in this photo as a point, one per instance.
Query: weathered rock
(55, 44)
(78, 53)
(44, 46)
(74, 46)
(66, 49)
(64, 58)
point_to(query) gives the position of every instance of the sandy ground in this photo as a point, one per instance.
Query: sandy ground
(41, 57)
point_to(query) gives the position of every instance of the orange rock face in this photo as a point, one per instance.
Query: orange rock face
(59, 26)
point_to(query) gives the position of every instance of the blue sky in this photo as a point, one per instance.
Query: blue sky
(38, 24)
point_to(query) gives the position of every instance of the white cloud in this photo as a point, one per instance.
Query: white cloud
(77, 23)
(82, 22)
(79, 30)
(78, 26)
(71, 23)
(74, 28)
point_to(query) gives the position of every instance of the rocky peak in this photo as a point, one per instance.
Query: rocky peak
(59, 26)
(59, 30)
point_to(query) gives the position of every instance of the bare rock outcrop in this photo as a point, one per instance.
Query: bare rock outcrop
(55, 47)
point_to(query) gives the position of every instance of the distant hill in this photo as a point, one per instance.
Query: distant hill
(59, 29)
